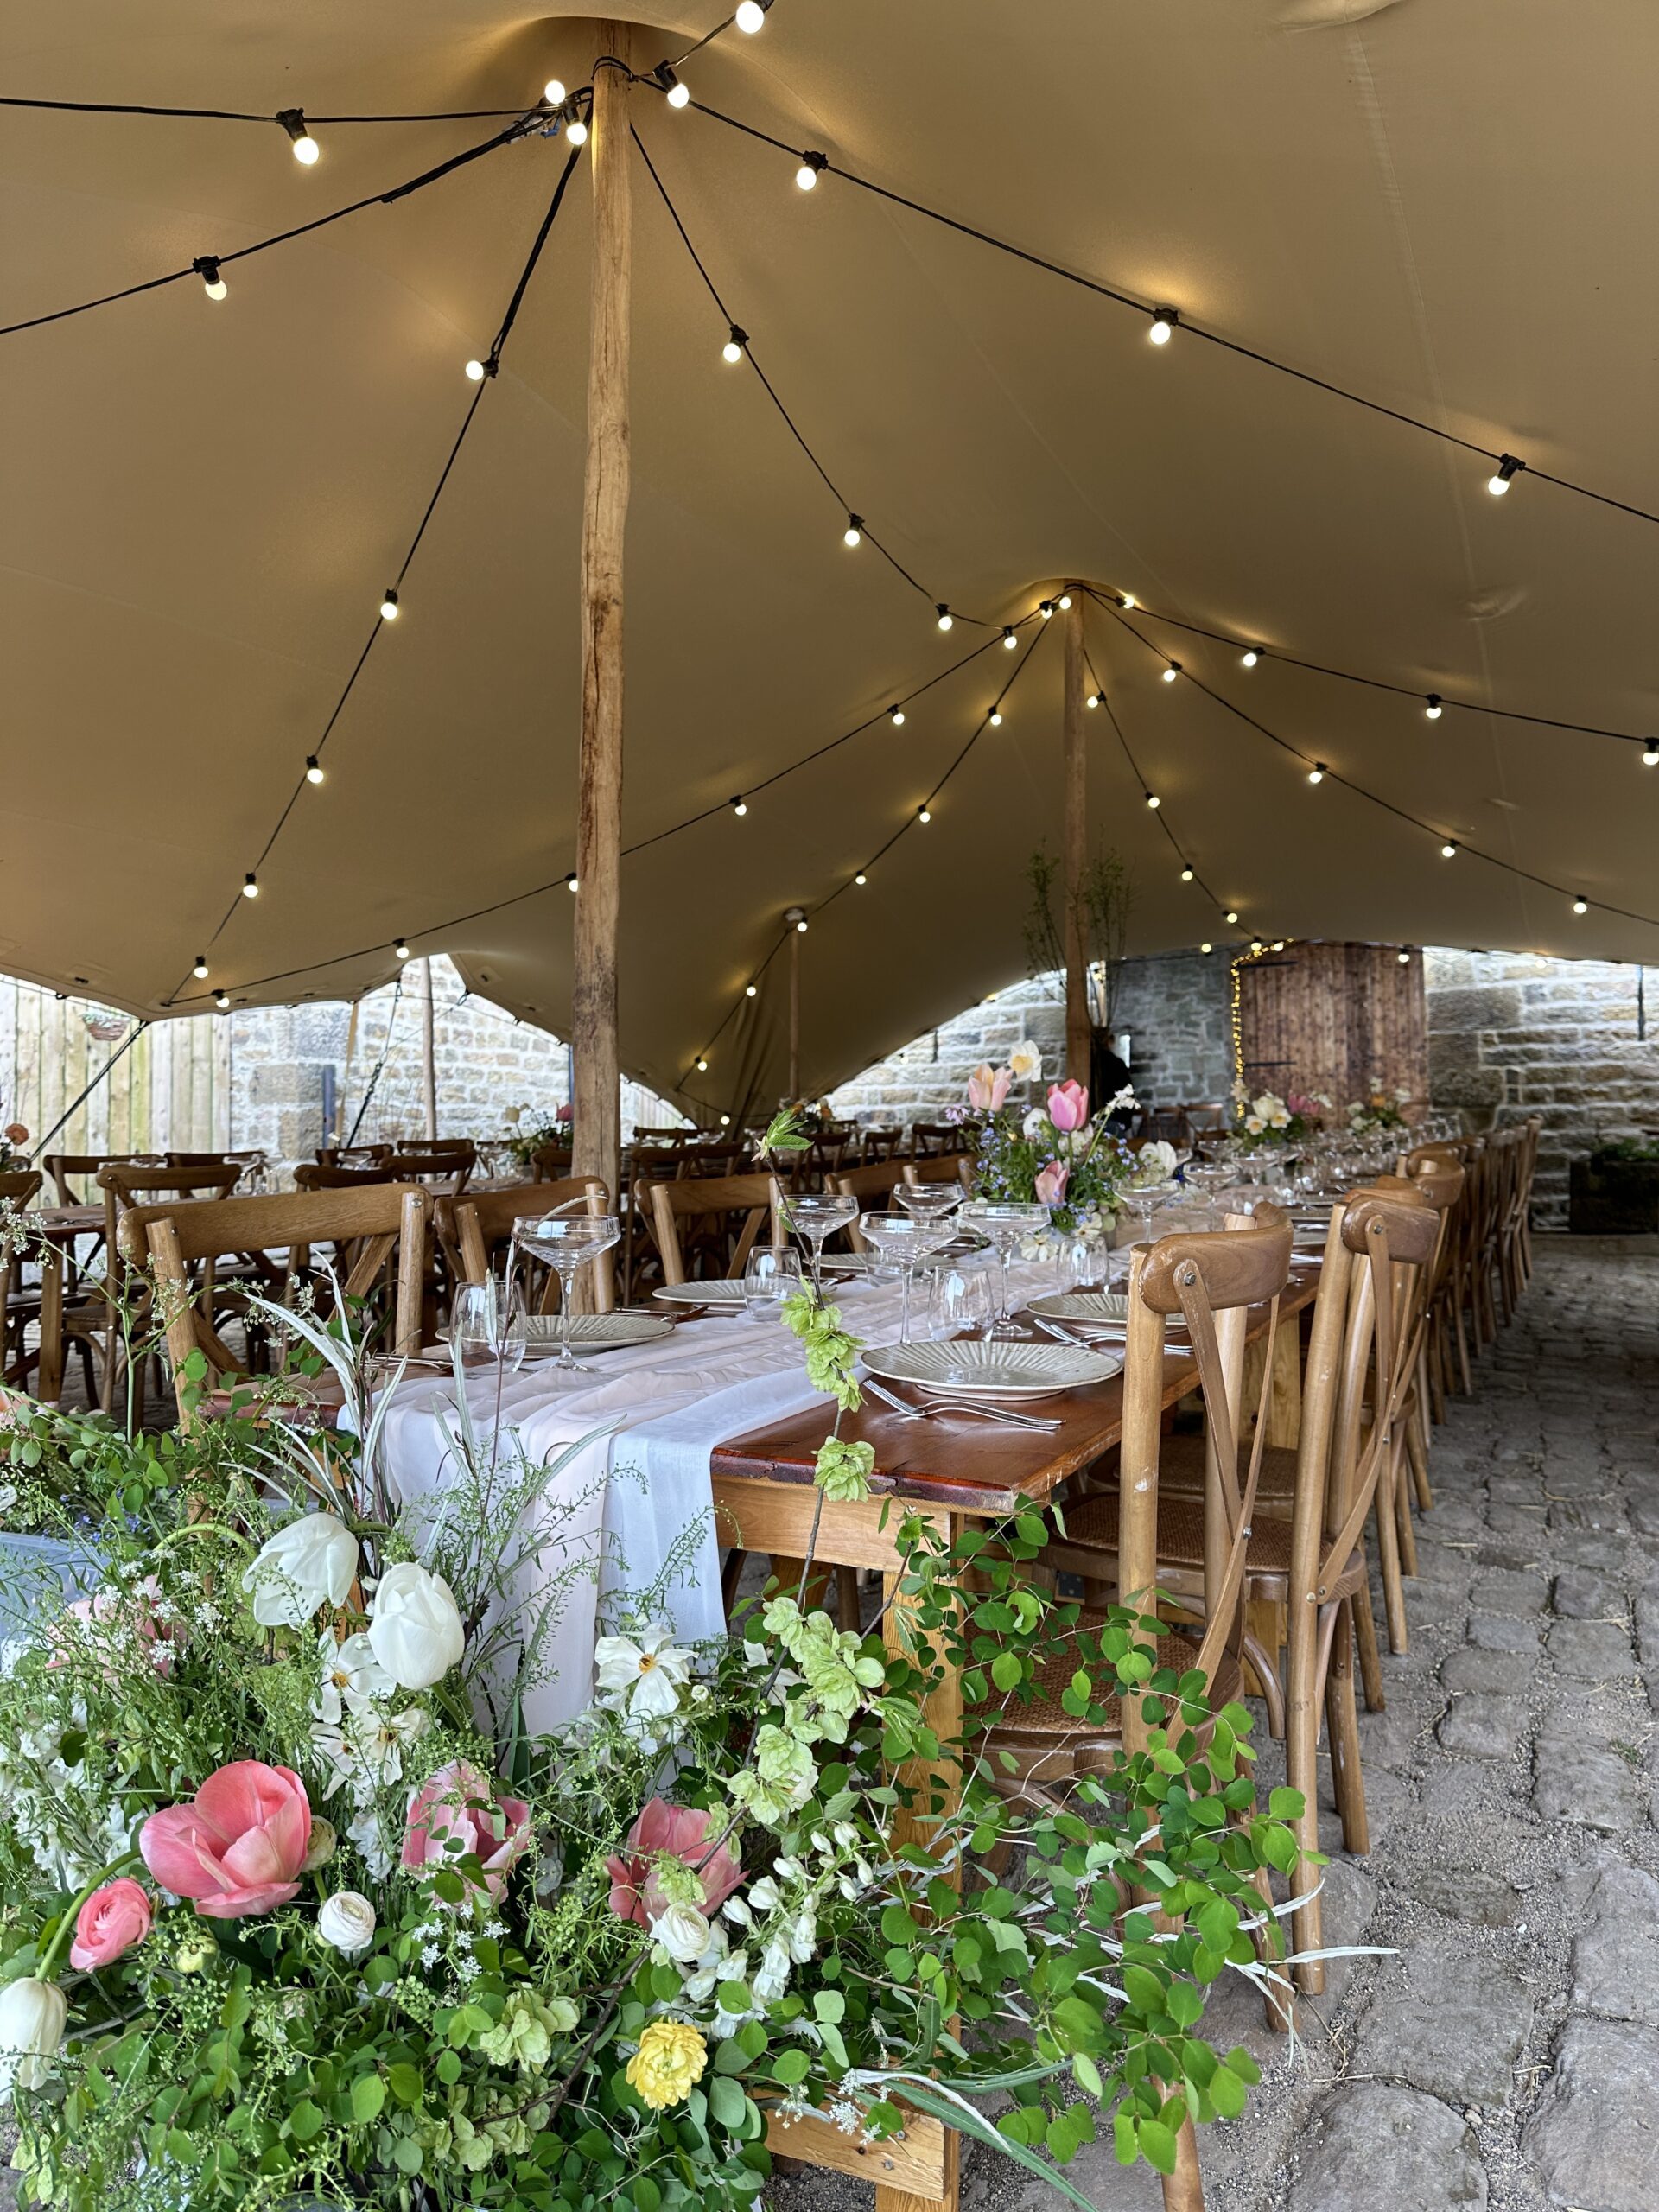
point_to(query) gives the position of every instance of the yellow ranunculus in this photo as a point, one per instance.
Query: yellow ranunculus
(670, 2057)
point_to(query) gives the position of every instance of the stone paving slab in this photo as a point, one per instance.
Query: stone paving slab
(1504, 2054)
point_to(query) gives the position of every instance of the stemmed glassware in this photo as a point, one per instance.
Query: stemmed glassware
(1007, 1224)
(769, 1277)
(566, 1242)
(814, 1216)
(904, 1241)
(928, 1201)
(1147, 1198)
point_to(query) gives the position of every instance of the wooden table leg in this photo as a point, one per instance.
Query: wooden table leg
(49, 1383)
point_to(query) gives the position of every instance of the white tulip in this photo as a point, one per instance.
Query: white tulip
(32, 2018)
(416, 1633)
(682, 1931)
(308, 1563)
(347, 1921)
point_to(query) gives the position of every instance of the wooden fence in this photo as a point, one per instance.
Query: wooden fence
(170, 1089)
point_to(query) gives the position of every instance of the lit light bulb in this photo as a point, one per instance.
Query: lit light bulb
(945, 616)
(1186, 876)
(200, 969)
(302, 145)
(1230, 915)
(388, 605)
(1163, 326)
(997, 717)
(807, 175)
(740, 806)
(853, 533)
(1651, 754)
(703, 1064)
(861, 879)
(1046, 609)
(1316, 773)
(220, 1001)
(1094, 698)
(1172, 672)
(1009, 640)
(1206, 946)
(553, 91)
(1255, 944)
(206, 267)
(800, 926)
(314, 769)
(1153, 801)
(1580, 906)
(576, 132)
(1065, 599)
(1435, 709)
(401, 949)
(725, 1120)
(1278, 944)
(1403, 957)
(570, 881)
(678, 96)
(1507, 468)
(751, 990)
(751, 15)
(733, 349)
(476, 371)
(1128, 602)
(896, 716)
(1449, 849)
(1249, 656)
(250, 885)
(923, 814)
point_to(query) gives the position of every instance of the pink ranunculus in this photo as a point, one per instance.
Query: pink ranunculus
(458, 1812)
(1068, 1105)
(672, 1832)
(111, 1922)
(1050, 1184)
(239, 1847)
(988, 1087)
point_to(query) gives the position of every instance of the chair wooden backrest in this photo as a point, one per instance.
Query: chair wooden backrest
(929, 1139)
(127, 1187)
(18, 1188)
(471, 1229)
(242, 1161)
(942, 1167)
(878, 1144)
(352, 1155)
(1210, 1279)
(366, 1226)
(550, 1163)
(702, 1200)
(450, 1164)
(85, 1167)
(309, 1175)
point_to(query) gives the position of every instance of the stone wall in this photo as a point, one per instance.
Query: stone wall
(1510, 1034)
(1173, 1011)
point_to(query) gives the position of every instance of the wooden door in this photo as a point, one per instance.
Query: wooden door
(1336, 1019)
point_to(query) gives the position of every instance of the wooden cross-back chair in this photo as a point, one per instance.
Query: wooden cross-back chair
(550, 1163)
(929, 1139)
(18, 1188)
(472, 1231)
(311, 1175)
(695, 1219)
(247, 1162)
(84, 1167)
(449, 1164)
(942, 1167)
(97, 1316)
(375, 1233)
(352, 1155)
(877, 1144)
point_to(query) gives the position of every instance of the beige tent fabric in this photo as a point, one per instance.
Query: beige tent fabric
(1444, 206)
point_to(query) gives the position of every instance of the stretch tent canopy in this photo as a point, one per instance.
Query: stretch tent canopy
(1437, 205)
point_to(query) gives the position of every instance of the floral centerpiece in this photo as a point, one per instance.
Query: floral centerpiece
(525, 1138)
(1056, 1154)
(1378, 1110)
(296, 1912)
(1272, 1120)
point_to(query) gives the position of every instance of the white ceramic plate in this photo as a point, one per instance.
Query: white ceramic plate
(1098, 1312)
(973, 1366)
(596, 1331)
(722, 1291)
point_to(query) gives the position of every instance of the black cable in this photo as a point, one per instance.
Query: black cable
(1187, 329)
(793, 428)
(492, 364)
(1160, 811)
(1370, 682)
(241, 115)
(527, 123)
(1401, 814)
(386, 1047)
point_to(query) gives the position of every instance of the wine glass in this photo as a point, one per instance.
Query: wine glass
(769, 1277)
(1007, 1224)
(566, 1241)
(816, 1215)
(903, 1243)
(488, 1322)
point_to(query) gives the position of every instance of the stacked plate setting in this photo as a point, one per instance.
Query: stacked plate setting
(1099, 1316)
(973, 1367)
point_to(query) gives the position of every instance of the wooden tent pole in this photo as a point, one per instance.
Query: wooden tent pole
(793, 917)
(605, 509)
(429, 1054)
(1074, 846)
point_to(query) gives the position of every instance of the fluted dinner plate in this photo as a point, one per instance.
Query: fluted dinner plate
(973, 1366)
(1096, 1312)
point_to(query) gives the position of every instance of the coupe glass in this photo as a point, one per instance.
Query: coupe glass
(903, 1243)
(1007, 1224)
(769, 1278)
(566, 1242)
(816, 1215)
(1147, 1201)
(928, 1201)
(488, 1322)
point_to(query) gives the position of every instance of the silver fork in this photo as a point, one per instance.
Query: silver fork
(892, 1398)
(1004, 1416)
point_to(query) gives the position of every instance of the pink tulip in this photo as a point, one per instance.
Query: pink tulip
(1068, 1105)
(239, 1847)
(988, 1087)
(1051, 1185)
(669, 1831)
(458, 1812)
(107, 1926)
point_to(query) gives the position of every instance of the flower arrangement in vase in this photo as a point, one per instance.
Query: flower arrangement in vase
(1272, 1120)
(1378, 1110)
(1055, 1154)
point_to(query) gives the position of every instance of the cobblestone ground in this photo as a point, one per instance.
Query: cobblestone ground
(1505, 2052)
